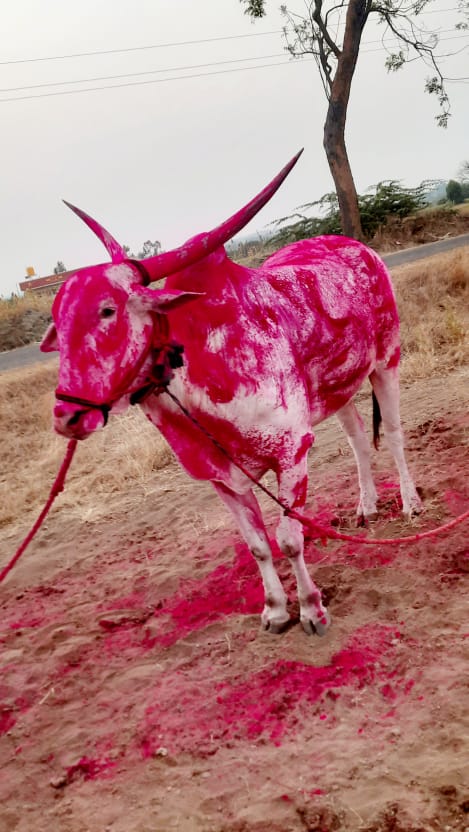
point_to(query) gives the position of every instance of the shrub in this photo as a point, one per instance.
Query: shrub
(387, 198)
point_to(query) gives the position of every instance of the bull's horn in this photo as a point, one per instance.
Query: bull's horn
(113, 248)
(201, 246)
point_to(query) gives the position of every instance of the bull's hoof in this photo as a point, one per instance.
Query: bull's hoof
(364, 519)
(319, 628)
(275, 627)
(412, 505)
(414, 511)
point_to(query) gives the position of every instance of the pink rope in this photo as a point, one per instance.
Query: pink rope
(328, 532)
(55, 490)
(322, 532)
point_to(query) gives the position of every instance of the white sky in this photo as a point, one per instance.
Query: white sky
(169, 160)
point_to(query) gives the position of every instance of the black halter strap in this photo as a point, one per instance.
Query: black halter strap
(85, 403)
(168, 358)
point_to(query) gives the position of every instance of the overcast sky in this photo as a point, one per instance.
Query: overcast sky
(170, 159)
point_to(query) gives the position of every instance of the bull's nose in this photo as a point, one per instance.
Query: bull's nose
(65, 417)
(75, 422)
(75, 418)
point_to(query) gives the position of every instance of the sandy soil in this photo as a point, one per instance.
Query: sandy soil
(137, 693)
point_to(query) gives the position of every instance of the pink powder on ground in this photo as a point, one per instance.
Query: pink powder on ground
(88, 768)
(233, 588)
(7, 720)
(198, 716)
(188, 709)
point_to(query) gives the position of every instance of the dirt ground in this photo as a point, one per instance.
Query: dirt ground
(137, 693)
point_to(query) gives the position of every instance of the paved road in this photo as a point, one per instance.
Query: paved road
(25, 356)
(408, 255)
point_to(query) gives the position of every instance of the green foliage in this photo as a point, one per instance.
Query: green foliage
(254, 8)
(395, 61)
(454, 192)
(386, 199)
(436, 86)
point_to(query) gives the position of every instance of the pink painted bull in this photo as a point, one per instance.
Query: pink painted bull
(268, 353)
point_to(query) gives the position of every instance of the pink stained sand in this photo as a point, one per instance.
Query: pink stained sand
(88, 769)
(231, 588)
(266, 705)
(7, 720)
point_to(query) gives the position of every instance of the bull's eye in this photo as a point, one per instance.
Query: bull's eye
(107, 312)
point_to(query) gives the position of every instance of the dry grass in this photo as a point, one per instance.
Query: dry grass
(23, 319)
(433, 298)
(126, 454)
(426, 226)
(253, 254)
(31, 300)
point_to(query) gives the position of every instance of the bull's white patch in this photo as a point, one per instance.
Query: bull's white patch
(216, 340)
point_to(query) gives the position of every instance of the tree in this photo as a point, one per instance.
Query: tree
(150, 248)
(59, 268)
(315, 32)
(463, 172)
(454, 192)
(385, 200)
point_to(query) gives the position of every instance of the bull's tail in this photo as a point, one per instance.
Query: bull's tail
(376, 421)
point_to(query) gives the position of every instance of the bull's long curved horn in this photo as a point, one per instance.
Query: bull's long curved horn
(111, 245)
(201, 246)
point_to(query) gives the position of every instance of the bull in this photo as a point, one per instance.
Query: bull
(268, 354)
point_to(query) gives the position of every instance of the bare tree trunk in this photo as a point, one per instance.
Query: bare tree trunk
(339, 165)
(334, 127)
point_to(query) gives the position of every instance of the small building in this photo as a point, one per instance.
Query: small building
(51, 283)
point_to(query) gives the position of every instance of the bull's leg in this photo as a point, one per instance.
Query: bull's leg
(251, 525)
(352, 424)
(292, 491)
(386, 386)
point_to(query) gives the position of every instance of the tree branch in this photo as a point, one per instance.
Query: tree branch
(320, 23)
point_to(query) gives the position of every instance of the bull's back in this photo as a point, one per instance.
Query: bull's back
(349, 322)
(337, 279)
(320, 313)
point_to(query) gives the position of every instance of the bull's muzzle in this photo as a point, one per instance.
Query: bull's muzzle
(75, 421)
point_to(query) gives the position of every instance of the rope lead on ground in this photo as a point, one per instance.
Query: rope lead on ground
(57, 487)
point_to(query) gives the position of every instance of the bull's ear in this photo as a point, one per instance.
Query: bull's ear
(160, 300)
(49, 342)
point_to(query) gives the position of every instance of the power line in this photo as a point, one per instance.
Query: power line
(288, 62)
(138, 48)
(152, 81)
(168, 45)
(134, 74)
(172, 69)
(174, 78)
